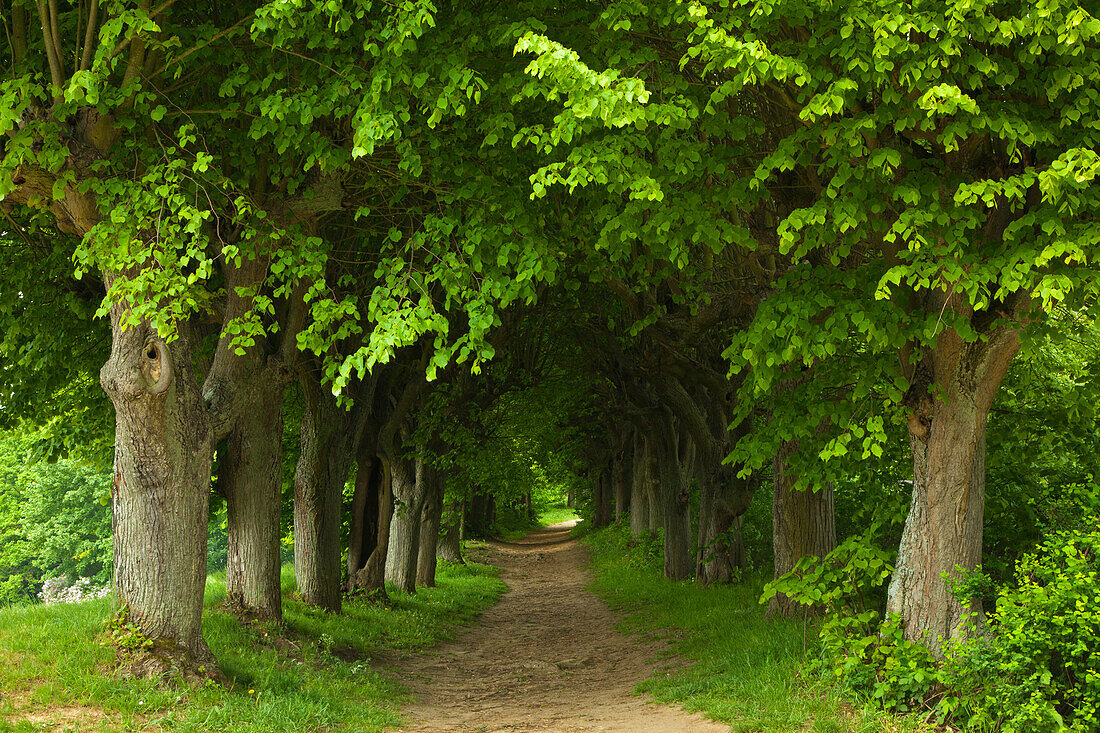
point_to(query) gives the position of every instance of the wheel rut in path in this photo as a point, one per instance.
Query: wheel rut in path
(545, 658)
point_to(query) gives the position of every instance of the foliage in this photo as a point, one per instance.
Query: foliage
(1036, 669)
(1043, 443)
(1030, 666)
(859, 649)
(54, 520)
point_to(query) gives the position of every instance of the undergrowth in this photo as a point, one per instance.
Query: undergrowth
(315, 674)
(746, 666)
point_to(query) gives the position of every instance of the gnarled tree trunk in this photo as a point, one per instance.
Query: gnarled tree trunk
(943, 530)
(721, 550)
(372, 511)
(639, 495)
(160, 493)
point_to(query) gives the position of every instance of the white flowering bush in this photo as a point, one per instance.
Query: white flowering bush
(60, 590)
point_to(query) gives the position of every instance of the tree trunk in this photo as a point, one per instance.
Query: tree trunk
(620, 477)
(803, 523)
(408, 492)
(369, 537)
(160, 492)
(250, 475)
(943, 530)
(449, 547)
(330, 439)
(653, 483)
(602, 491)
(480, 517)
(676, 457)
(431, 516)
(639, 496)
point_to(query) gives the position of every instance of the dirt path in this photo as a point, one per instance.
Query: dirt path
(545, 658)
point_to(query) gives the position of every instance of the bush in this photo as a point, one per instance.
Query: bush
(60, 590)
(645, 552)
(860, 650)
(1034, 668)
(1038, 668)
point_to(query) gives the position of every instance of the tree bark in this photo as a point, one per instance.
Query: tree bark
(621, 475)
(675, 462)
(943, 530)
(160, 492)
(803, 523)
(251, 478)
(408, 491)
(431, 516)
(639, 495)
(449, 547)
(330, 438)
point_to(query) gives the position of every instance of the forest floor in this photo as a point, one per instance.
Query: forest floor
(546, 657)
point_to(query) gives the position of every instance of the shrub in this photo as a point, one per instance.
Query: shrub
(860, 650)
(1038, 667)
(60, 590)
(1034, 667)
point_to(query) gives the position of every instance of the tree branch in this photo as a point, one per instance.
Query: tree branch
(51, 51)
(18, 33)
(89, 36)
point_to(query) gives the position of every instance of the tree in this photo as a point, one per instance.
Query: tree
(202, 222)
(923, 174)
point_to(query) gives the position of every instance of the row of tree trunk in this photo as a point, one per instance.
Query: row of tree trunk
(166, 455)
(681, 438)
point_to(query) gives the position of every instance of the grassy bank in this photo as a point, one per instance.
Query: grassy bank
(746, 670)
(512, 524)
(314, 675)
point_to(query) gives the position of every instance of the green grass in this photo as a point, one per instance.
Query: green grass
(746, 670)
(513, 525)
(322, 680)
(557, 515)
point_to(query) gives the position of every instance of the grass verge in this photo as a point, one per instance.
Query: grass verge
(557, 515)
(746, 666)
(314, 675)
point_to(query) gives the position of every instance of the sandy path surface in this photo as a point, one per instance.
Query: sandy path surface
(545, 658)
